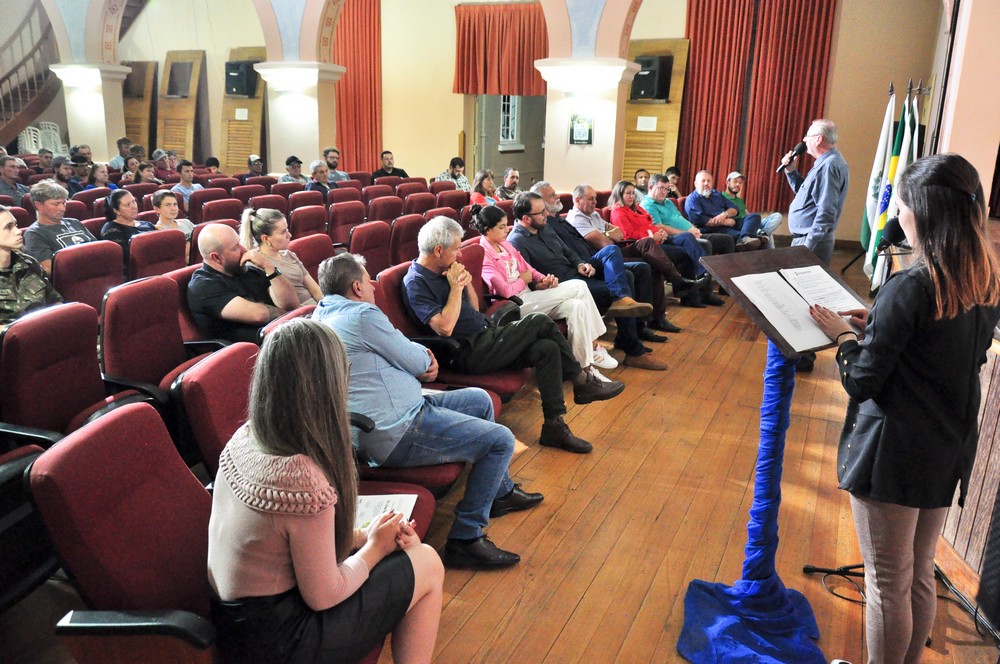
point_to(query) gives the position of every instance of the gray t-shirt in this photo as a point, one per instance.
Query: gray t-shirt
(42, 241)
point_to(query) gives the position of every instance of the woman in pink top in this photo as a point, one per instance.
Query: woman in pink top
(483, 190)
(506, 273)
(294, 580)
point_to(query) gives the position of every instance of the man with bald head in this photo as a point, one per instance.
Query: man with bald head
(235, 291)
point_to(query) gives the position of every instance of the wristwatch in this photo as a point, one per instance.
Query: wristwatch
(276, 273)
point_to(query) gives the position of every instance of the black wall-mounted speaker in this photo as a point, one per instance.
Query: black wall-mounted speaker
(653, 80)
(241, 78)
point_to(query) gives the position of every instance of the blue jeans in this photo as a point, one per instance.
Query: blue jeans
(749, 228)
(694, 250)
(458, 425)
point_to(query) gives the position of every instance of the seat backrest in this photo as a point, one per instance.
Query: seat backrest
(384, 208)
(194, 255)
(404, 189)
(199, 198)
(472, 258)
(299, 199)
(49, 372)
(343, 194)
(508, 209)
(312, 250)
(376, 191)
(156, 253)
(309, 220)
(21, 216)
(453, 198)
(605, 213)
(94, 225)
(128, 519)
(419, 180)
(182, 277)
(389, 298)
(679, 202)
(286, 189)
(419, 202)
(403, 237)
(567, 201)
(363, 177)
(245, 192)
(305, 311)
(266, 180)
(140, 330)
(391, 180)
(215, 394)
(6, 200)
(603, 197)
(88, 196)
(76, 210)
(141, 189)
(438, 186)
(342, 217)
(354, 184)
(441, 212)
(371, 240)
(270, 201)
(223, 182)
(85, 272)
(223, 208)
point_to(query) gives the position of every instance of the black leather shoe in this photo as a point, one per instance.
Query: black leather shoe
(595, 389)
(478, 554)
(515, 501)
(664, 325)
(647, 334)
(805, 363)
(556, 433)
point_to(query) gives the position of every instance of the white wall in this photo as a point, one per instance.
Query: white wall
(660, 19)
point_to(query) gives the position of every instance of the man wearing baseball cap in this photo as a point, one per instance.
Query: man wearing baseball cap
(256, 166)
(294, 167)
(735, 182)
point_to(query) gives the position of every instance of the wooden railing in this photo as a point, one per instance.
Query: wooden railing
(24, 61)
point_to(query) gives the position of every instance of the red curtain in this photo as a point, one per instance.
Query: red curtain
(357, 45)
(787, 91)
(719, 32)
(496, 48)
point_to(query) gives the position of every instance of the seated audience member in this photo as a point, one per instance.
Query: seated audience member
(440, 296)
(161, 165)
(636, 224)
(187, 185)
(332, 157)
(641, 185)
(10, 184)
(124, 146)
(320, 180)
(509, 190)
(666, 215)
(138, 152)
(20, 162)
(62, 169)
(416, 430)
(130, 172)
(388, 167)
(235, 291)
(51, 231)
(735, 182)
(146, 174)
(599, 234)
(172, 161)
(483, 191)
(97, 176)
(81, 168)
(166, 206)
(24, 285)
(294, 578)
(212, 165)
(255, 165)
(506, 273)
(608, 278)
(293, 168)
(83, 150)
(456, 174)
(712, 212)
(121, 212)
(673, 175)
(44, 161)
(267, 231)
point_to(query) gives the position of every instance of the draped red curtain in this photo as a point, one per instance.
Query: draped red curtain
(496, 48)
(719, 32)
(357, 45)
(787, 91)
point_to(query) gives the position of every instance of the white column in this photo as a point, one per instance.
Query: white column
(95, 113)
(301, 111)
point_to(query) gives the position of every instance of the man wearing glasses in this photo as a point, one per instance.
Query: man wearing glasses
(819, 197)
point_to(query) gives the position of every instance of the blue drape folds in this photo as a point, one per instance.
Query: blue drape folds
(756, 619)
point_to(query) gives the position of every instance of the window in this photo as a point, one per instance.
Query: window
(510, 119)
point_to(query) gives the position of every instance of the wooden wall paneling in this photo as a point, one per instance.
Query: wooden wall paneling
(140, 109)
(655, 150)
(178, 107)
(241, 138)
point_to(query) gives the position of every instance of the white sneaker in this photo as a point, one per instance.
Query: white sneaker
(603, 359)
(592, 370)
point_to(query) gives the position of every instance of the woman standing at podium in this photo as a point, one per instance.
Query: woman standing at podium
(911, 431)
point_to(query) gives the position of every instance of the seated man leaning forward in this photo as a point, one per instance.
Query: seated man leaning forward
(416, 430)
(236, 291)
(440, 295)
(712, 212)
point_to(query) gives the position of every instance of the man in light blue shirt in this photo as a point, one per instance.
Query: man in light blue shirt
(187, 185)
(416, 430)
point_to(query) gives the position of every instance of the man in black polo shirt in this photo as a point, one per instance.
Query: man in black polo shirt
(230, 299)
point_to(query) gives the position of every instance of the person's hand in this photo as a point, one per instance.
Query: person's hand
(586, 269)
(614, 233)
(660, 235)
(458, 276)
(859, 317)
(829, 321)
(720, 219)
(382, 533)
(406, 536)
(432, 371)
(552, 280)
(790, 160)
(258, 259)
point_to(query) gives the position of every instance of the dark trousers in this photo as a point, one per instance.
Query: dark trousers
(665, 261)
(534, 341)
(637, 276)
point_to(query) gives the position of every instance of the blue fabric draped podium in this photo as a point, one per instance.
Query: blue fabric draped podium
(756, 619)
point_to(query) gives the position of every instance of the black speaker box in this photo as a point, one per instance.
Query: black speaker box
(241, 78)
(653, 80)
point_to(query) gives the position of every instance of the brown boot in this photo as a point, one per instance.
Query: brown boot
(556, 433)
(644, 361)
(626, 307)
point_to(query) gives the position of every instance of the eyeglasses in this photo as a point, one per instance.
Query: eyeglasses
(535, 214)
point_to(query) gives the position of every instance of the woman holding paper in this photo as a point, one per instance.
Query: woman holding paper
(282, 530)
(910, 434)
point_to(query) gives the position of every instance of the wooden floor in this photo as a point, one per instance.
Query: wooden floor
(662, 500)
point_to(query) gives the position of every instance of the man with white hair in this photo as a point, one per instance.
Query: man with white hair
(440, 296)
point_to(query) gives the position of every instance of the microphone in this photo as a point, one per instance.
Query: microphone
(799, 149)
(892, 235)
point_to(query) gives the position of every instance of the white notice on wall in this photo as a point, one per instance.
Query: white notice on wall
(242, 114)
(645, 123)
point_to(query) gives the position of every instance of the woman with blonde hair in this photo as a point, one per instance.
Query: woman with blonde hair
(267, 230)
(295, 580)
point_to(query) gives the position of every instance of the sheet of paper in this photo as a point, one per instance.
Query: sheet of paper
(370, 507)
(816, 286)
(783, 307)
(645, 123)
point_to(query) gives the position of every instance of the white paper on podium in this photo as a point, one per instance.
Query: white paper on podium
(371, 507)
(816, 286)
(784, 308)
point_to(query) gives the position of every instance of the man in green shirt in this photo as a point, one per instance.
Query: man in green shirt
(735, 182)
